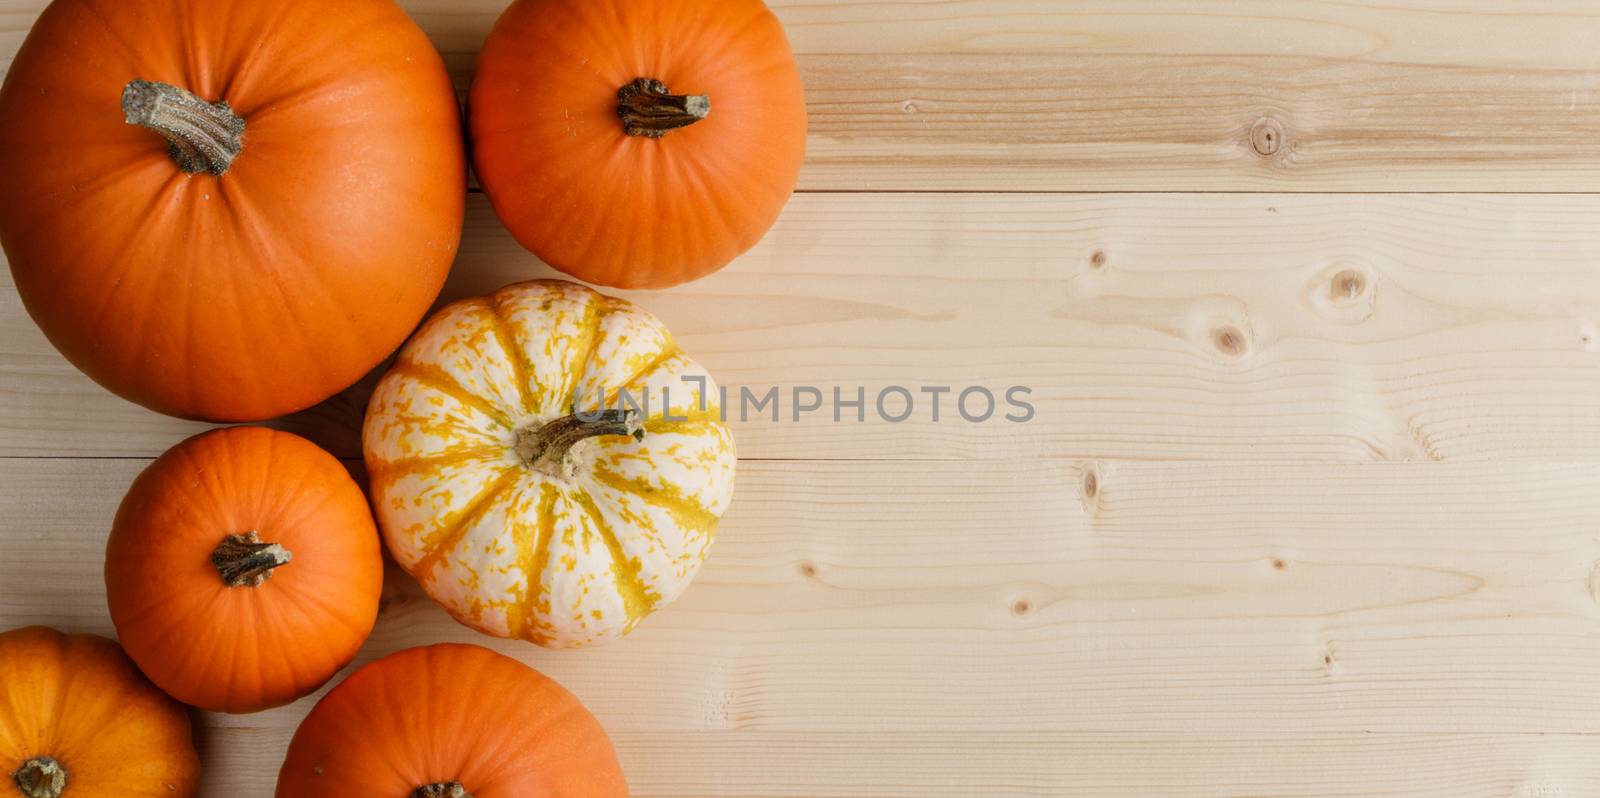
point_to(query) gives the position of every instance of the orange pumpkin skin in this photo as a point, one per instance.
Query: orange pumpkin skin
(279, 631)
(268, 288)
(632, 211)
(75, 704)
(421, 721)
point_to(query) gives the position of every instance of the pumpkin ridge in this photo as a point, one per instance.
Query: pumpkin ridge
(637, 600)
(335, 612)
(441, 381)
(129, 51)
(691, 422)
(689, 513)
(389, 470)
(245, 207)
(690, 167)
(533, 559)
(667, 353)
(445, 540)
(520, 367)
(162, 608)
(310, 480)
(595, 313)
(233, 73)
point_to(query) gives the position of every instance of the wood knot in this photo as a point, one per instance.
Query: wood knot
(1346, 287)
(1330, 660)
(1089, 489)
(1279, 565)
(1229, 341)
(1097, 260)
(1021, 607)
(808, 570)
(1343, 294)
(1266, 137)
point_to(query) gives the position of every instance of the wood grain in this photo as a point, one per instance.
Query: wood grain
(1004, 607)
(1078, 95)
(1333, 328)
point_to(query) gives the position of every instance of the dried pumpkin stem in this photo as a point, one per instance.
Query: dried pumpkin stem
(444, 789)
(41, 777)
(649, 109)
(201, 136)
(244, 561)
(545, 447)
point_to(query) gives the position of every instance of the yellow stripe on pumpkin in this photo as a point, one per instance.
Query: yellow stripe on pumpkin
(520, 367)
(440, 380)
(443, 541)
(688, 513)
(637, 600)
(390, 471)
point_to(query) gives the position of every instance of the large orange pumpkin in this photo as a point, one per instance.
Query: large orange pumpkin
(243, 569)
(78, 720)
(450, 721)
(637, 143)
(228, 209)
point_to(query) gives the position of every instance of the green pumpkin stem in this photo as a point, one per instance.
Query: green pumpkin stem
(41, 777)
(545, 446)
(244, 561)
(649, 109)
(443, 789)
(201, 136)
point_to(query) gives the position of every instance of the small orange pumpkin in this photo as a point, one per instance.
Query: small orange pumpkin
(78, 720)
(243, 569)
(228, 209)
(450, 721)
(638, 143)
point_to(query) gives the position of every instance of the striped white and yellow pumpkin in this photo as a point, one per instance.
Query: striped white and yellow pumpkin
(515, 514)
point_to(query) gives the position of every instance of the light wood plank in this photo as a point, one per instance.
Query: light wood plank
(1011, 597)
(1148, 326)
(949, 629)
(1027, 765)
(1167, 94)
(1048, 765)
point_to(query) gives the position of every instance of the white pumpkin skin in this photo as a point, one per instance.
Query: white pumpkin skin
(563, 554)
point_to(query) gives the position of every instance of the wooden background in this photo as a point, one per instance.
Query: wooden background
(1309, 297)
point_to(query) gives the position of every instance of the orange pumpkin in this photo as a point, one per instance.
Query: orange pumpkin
(450, 721)
(228, 209)
(243, 569)
(78, 720)
(637, 143)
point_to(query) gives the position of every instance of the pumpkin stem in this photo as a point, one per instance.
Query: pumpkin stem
(201, 136)
(41, 777)
(545, 446)
(244, 561)
(649, 109)
(443, 789)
